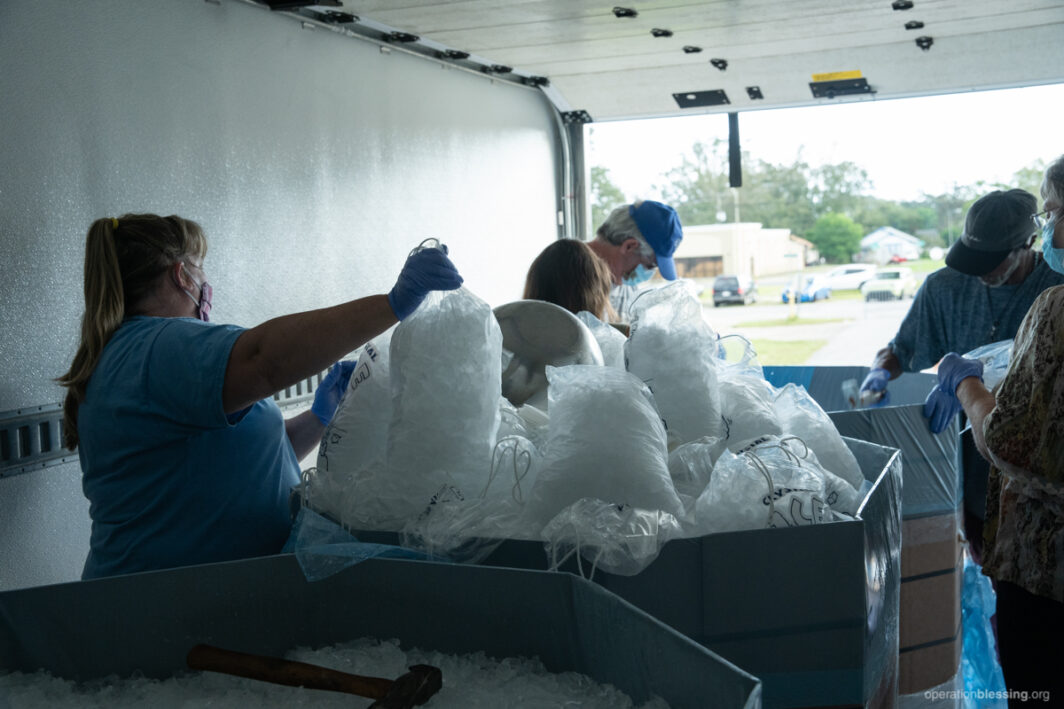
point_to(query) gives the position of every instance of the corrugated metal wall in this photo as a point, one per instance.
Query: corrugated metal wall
(314, 161)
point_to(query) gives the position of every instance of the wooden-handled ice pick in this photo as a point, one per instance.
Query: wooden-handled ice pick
(412, 689)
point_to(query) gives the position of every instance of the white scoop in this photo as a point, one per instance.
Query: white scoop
(539, 333)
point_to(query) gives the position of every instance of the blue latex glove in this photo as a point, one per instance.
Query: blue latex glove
(953, 368)
(942, 403)
(426, 270)
(939, 408)
(331, 390)
(876, 383)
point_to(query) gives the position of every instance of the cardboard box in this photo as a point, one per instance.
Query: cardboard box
(147, 622)
(929, 634)
(929, 617)
(931, 630)
(811, 611)
(930, 544)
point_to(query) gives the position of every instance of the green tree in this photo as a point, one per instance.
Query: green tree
(950, 207)
(836, 237)
(698, 189)
(910, 217)
(775, 195)
(779, 196)
(605, 196)
(794, 196)
(839, 188)
(1029, 178)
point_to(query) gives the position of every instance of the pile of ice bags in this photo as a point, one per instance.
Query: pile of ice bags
(686, 439)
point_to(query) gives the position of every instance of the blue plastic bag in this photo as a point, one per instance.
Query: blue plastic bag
(324, 548)
(984, 684)
(995, 358)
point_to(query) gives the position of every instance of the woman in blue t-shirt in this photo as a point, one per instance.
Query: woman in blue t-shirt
(186, 459)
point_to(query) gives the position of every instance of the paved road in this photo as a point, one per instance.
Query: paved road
(863, 328)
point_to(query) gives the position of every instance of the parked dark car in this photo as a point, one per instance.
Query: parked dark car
(734, 289)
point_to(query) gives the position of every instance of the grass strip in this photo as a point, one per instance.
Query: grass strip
(787, 321)
(786, 352)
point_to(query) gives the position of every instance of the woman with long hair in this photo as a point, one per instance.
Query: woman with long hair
(569, 274)
(185, 457)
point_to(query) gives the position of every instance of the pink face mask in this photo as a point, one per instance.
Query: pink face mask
(206, 292)
(204, 302)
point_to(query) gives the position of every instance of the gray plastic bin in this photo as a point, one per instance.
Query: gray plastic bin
(932, 567)
(824, 384)
(932, 563)
(811, 611)
(147, 623)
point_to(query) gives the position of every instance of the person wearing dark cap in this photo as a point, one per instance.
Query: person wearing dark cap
(992, 277)
(1019, 429)
(990, 281)
(634, 240)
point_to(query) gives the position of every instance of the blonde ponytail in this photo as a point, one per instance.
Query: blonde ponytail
(123, 260)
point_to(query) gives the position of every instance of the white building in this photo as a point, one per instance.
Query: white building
(743, 248)
(886, 242)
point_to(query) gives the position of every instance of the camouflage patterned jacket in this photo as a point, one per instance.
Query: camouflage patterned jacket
(1024, 530)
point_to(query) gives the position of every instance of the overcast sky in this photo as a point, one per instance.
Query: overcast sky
(908, 146)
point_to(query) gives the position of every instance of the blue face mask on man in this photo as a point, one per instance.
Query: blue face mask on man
(641, 274)
(1054, 257)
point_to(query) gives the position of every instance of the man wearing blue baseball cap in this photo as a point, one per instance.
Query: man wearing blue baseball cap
(634, 240)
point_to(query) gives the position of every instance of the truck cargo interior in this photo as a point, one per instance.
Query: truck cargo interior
(318, 143)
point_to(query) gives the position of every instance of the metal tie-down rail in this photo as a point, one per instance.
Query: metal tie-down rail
(31, 438)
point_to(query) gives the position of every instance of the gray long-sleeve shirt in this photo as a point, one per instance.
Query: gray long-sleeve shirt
(954, 312)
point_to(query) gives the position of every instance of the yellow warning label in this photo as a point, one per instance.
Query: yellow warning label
(837, 76)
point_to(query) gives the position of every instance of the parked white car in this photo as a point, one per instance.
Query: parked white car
(850, 277)
(890, 284)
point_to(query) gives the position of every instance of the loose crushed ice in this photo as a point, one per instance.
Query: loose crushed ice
(469, 681)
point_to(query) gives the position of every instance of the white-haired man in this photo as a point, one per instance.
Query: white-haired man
(634, 240)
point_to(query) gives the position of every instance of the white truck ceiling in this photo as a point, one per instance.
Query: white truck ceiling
(676, 57)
